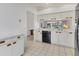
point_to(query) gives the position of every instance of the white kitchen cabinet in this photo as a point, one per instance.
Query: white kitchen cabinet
(65, 39)
(54, 37)
(57, 37)
(38, 35)
(71, 39)
(62, 38)
(18, 47)
(5, 50)
(13, 48)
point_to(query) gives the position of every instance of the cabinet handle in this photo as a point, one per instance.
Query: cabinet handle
(18, 37)
(70, 32)
(59, 32)
(14, 42)
(56, 32)
(2, 42)
(9, 45)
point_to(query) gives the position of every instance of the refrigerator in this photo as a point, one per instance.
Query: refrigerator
(77, 39)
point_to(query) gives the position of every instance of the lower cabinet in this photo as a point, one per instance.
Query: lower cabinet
(54, 37)
(66, 39)
(15, 48)
(5, 50)
(38, 35)
(18, 47)
(62, 38)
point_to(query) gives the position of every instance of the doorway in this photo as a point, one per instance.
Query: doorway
(30, 25)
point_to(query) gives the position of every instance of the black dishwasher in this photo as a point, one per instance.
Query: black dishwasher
(46, 36)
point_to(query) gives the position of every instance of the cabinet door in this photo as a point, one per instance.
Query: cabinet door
(38, 36)
(21, 45)
(18, 47)
(62, 39)
(54, 37)
(15, 49)
(70, 40)
(5, 50)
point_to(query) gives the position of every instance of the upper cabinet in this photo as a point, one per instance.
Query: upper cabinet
(60, 21)
(53, 23)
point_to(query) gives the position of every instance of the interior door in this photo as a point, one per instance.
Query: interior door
(78, 37)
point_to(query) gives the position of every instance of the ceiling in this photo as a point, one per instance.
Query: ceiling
(41, 6)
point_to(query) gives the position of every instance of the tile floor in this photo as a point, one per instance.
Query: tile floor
(43, 49)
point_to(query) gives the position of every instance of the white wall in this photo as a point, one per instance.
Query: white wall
(9, 20)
